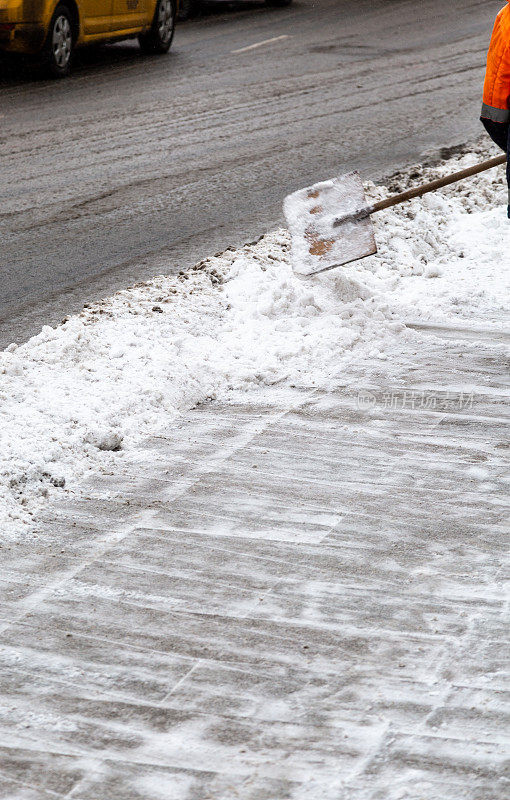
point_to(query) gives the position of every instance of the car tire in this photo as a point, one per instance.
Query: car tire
(278, 3)
(59, 45)
(160, 36)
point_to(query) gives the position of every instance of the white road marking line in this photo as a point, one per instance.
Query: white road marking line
(260, 44)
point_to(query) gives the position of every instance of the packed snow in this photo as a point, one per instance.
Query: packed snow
(79, 397)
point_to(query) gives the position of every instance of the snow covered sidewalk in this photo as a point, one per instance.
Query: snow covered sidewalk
(274, 569)
(80, 398)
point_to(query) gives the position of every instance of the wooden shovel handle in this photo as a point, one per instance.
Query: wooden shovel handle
(433, 185)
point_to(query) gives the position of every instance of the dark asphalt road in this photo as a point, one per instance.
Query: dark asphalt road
(138, 165)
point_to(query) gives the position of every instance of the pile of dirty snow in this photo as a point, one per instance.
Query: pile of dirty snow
(81, 396)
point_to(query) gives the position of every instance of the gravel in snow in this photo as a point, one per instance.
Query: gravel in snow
(78, 398)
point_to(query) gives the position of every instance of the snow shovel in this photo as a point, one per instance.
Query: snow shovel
(330, 222)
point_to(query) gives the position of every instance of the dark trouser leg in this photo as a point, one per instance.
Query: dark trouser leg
(500, 135)
(498, 131)
(508, 168)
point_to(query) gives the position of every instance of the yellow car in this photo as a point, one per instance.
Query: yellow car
(53, 28)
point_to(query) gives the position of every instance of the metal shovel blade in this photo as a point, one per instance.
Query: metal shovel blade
(317, 244)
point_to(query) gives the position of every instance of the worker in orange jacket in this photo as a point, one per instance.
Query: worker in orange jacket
(496, 91)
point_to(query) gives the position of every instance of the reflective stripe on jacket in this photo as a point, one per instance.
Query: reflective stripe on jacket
(496, 90)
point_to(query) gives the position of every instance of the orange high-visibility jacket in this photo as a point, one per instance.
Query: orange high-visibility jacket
(496, 90)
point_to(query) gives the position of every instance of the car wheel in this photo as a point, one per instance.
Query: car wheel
(58, 50)
(160, 36)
